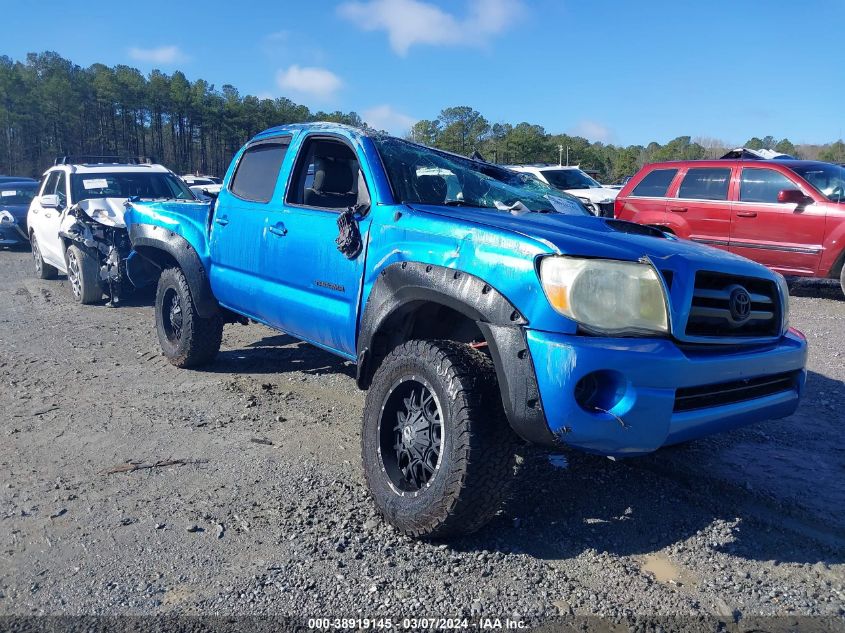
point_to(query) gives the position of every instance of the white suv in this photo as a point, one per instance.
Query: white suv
(596, 197)
(76, 223)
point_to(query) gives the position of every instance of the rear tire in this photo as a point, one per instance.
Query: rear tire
(43, 270)
(437, 449)
(83, 274)
(186, 338)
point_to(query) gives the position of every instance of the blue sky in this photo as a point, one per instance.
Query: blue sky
(612, 70)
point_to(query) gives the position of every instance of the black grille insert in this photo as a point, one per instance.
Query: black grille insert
(714, 313)
(691, 398)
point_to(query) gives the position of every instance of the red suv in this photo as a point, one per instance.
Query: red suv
(786, 214)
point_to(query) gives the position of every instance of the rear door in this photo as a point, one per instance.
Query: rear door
(247, 243)
(702, 205)
(785, 236)
(646, 202)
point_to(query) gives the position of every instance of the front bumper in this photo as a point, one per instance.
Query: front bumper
(641, 377)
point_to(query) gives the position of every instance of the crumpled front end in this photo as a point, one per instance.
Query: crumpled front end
(97, 227)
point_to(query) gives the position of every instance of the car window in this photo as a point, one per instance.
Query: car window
(705, 183)
(61, 190)
(258, 170)
(569, 179)
(327, 176)
(763, 185)
(655, 184)
(16, 193)
(50, 184)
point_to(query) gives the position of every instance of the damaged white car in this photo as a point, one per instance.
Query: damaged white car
(76, 222)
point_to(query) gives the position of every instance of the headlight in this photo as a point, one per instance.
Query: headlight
(606, 296)
(6, 217)
(589, 204)
(784, 293)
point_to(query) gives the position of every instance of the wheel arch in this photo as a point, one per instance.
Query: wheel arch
(465, 305)
(161, 249)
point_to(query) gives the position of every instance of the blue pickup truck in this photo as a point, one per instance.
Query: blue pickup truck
(481, 307)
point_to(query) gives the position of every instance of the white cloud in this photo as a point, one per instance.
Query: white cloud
(309, 80)
(162, 55)
(410, 22)
(384, 117)
(593, 131)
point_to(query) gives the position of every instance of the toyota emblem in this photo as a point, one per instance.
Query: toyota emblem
(739, 304)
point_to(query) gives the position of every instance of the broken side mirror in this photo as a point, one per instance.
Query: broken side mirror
(50, 201)
(793, 196)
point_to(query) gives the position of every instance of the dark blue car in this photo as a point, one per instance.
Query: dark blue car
(15, 196)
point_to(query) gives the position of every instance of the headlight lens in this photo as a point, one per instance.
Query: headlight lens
(606, 296)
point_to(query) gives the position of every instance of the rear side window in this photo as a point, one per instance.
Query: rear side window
(655, 184)
(763, 185)
(258, 170)
(705, 183)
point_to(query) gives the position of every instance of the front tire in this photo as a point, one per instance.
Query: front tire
(83, 274)
(437, 449)
(186, 338)
(842, 278)
(43, 270)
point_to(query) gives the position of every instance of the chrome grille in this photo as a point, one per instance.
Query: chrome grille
(732, 306)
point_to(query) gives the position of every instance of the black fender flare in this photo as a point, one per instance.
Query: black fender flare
(501, 323)
(148, 240)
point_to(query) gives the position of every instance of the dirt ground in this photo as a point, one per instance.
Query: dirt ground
(264, 510)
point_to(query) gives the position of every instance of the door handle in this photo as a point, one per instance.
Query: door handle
(222, 221)
(278, 229)
(746, 214)
(678, 209)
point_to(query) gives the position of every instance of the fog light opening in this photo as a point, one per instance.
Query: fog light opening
(601, 391)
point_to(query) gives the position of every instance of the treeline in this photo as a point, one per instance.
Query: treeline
(50, 106)
(465, 130)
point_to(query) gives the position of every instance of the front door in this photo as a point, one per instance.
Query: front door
(321, 285)
(702, 205)
(45, 220)
(787, 237)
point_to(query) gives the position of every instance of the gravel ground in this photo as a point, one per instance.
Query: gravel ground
(265, 512)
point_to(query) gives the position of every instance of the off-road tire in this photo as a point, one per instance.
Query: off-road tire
(198, 339)
(478, 453)
(83, 275)
(43, 270)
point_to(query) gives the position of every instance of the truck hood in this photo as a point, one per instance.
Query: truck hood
(588, 236)
(603, 194)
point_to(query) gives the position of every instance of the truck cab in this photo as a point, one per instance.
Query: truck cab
(480, 306)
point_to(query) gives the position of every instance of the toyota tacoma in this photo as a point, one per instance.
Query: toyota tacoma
(481, 308)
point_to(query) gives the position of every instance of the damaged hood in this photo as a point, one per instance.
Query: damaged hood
(588, 236)
(595, 194)
(106, 211)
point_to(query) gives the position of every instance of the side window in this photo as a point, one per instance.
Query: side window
(61, 190)
(327, 176)
(763, 185)
(655, 184)
(258, 170)
(50, 184)
(705, 183)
